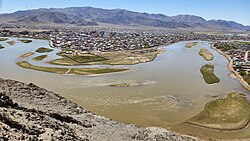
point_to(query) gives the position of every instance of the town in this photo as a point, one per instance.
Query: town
(106, 40)
(238, 51)
(74, 40)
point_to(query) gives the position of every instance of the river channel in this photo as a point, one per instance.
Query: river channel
(163, 93)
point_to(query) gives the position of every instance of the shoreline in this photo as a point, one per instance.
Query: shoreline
(30, 112)
(159, 51)
(219, 129)
(67, 71)
(236, 121)
(240, 78)
(51, 44)
(230, 67)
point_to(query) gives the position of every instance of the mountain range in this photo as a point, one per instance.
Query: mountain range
(89, 16)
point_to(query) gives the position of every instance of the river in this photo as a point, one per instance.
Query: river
(166, 91)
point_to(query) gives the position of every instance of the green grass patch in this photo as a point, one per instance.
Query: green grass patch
(240, 42)
(76, 59)
(84, 58)
(3, 39)
(1, 46)
(63, 61)
(43, 50)
(206, 54)
(26, 41)
(208, 74)
(230, 113)
(25, 64)
(40, 58)
(227, 48)
(78, 71)
(26, 54)
(190, 45)
(246, 76)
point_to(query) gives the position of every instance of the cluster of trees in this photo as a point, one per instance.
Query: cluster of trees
(246, 76)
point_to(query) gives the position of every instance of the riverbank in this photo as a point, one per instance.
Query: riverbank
(230, 66)
(74, 71)
(51, 44)
(126, 57)
(30, 112)
(3, 39)
(231, 113)
(158, 104)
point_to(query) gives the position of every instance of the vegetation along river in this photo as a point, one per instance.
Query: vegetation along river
(163, 93)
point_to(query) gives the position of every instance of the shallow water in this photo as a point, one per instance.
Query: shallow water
(165, 92)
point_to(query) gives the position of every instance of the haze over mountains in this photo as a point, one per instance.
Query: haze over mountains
(89, 16)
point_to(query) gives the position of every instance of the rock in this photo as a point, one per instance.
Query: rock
(28, 112)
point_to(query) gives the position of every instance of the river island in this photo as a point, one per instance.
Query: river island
(192, 44)
(206, 54)
(208, 74)
(78, 71)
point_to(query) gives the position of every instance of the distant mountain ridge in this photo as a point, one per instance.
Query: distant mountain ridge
(84, 16)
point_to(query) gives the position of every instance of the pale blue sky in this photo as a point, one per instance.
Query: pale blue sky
(236, 10)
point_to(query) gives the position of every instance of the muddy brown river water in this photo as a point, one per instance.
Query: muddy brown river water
(164, 92)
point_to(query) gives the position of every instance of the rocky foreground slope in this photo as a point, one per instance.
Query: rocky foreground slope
(28, 112)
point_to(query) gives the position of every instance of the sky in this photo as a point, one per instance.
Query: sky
(233, 10)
